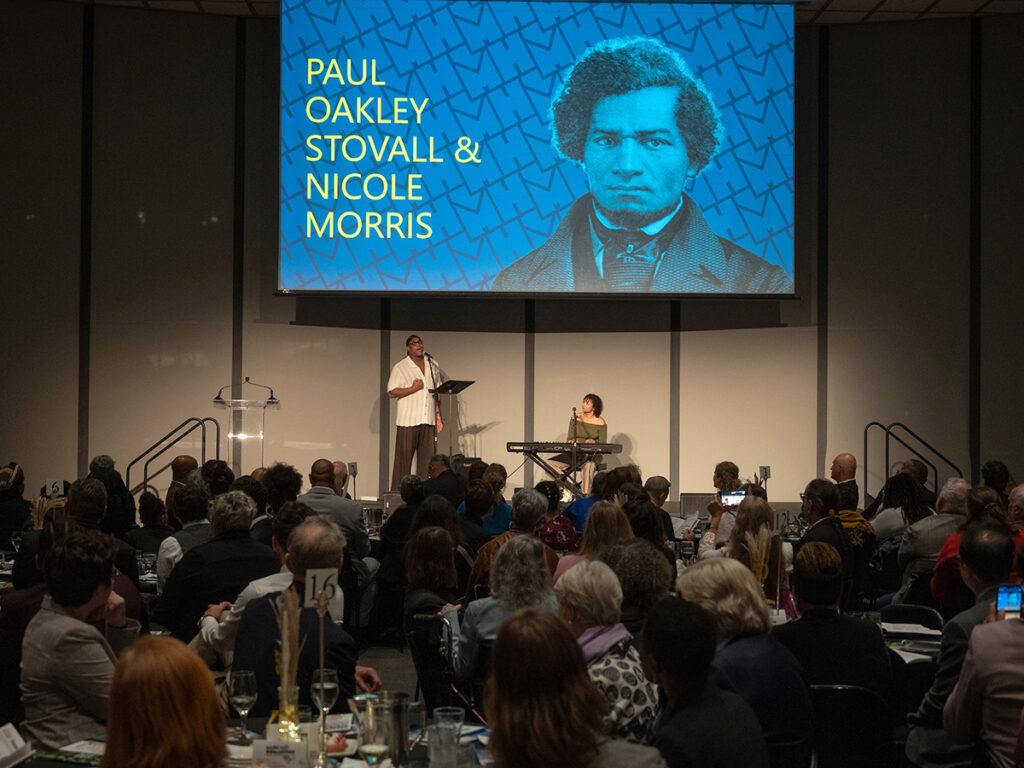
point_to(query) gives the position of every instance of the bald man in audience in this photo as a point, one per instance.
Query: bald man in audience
(844, 472)
(348, 514)
(657, 491)
(341, 478)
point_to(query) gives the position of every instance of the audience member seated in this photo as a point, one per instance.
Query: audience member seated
(589, 601)
(922, 541)
(216, 570)
(479, 501)
(437, 510)
(166, 710)
(702, 724)
(917, 470)
(645, 522)
(120, 515)
(985, 705)
(947, 582)
(903, 506)
(752, 517)
(498, 520)
(261, 528)
(750, 661)
(341, 478)
(181, 467)
(986, 555)
(578, 510)
(528, 508)
(15, 511)
(315, 543)
(430, 568)
(844, 472)
(219, 623)
(153, 516)
(67, 665)
(442, 481)
(217, 477)
(394, 533)
(543, 710)
(87, 504)
(1015, 510)
(607, 525)
(657, 488)
(833, 649)
(283, 483)
(192, 505)
(520, 578)
(556, 530)
(726, 478)
(644, 576)
(18, 607)
(996, 475)
(348, 514)
(819, 501)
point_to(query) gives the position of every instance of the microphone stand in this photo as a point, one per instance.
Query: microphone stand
(574, 423)
(437, 399)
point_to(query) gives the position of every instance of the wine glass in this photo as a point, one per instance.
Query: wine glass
(242, 690)
(16, 538)
(324, 692)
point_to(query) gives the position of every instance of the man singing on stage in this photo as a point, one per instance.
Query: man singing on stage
(419, 414)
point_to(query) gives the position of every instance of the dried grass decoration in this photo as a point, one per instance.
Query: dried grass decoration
(286, 611)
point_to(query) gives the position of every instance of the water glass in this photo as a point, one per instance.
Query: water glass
(242, 691)
(442, 744)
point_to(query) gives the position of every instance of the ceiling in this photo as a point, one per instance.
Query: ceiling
(807, 11)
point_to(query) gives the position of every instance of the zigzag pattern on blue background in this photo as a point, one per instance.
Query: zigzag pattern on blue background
(489, 70)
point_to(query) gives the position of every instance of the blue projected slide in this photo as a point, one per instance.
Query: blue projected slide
(529, 147)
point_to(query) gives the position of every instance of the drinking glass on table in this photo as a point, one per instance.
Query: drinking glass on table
(242, 690)
(374, 731)
(324, 691)
(16, 538)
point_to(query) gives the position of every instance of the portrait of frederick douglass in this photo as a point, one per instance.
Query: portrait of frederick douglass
(640, 125)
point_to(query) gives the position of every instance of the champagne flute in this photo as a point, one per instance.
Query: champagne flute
(242, 690)
(324, 691)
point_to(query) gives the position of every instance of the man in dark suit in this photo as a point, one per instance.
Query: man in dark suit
(641, 126)
(314, 543)
(986, 557)
(820, 503)
(832, 648)
(844, 472)
(443, 481)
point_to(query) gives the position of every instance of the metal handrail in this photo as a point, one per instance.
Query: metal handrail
(917, 453)
(177, 435)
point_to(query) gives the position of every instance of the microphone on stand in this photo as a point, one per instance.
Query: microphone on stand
(574, 413)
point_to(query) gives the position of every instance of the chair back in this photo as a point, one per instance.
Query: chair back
(428, 646)
(853, 728)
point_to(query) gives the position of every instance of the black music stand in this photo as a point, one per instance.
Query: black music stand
(450, 387)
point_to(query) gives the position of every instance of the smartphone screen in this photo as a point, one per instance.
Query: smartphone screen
(732, 499)
(1008, 599)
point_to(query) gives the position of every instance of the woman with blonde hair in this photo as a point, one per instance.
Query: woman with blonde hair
(164, 711)
(606, 526)
(750, 661)
(543, 710)
(767, 556)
